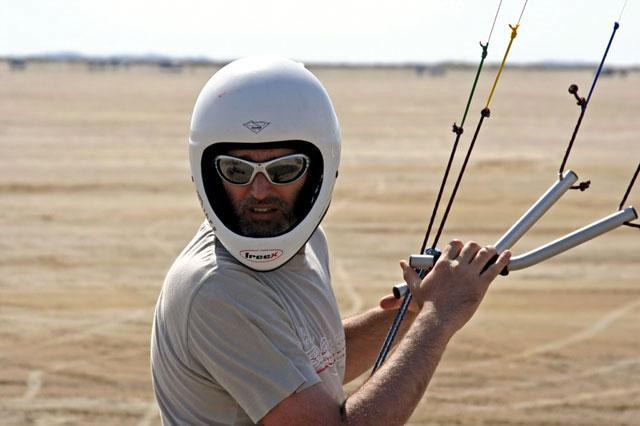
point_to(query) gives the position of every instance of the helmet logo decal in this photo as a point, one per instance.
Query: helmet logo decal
(261, 255)
(256, 126)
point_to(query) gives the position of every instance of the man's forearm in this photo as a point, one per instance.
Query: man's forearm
(388, 397)
(392, 393)
(364, 334)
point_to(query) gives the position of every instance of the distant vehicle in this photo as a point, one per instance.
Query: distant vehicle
(17, 64)
(433, 70)
(170, 65)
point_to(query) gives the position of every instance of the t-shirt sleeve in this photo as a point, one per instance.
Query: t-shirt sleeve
(243, 337)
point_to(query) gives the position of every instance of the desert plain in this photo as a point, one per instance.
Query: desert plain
(96, 201)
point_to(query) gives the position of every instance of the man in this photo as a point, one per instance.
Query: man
(247, 328)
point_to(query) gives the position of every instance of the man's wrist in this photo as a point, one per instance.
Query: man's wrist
(436, 321)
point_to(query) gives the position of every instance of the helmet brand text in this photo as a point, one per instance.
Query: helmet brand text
(261, 255)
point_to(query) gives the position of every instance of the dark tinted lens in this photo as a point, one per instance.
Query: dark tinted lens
(235, 171)
(287, 169)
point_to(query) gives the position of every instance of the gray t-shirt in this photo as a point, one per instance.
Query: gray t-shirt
(229, 343)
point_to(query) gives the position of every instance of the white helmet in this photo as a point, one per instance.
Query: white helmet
(264, 102)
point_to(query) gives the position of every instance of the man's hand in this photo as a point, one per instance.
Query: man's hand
(457, 284)
(446, 299)
(389, 302)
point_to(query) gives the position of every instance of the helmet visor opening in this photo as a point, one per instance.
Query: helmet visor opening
(217, 166)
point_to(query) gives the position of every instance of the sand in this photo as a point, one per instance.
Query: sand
(96, 202)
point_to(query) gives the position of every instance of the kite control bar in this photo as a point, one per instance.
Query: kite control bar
(425, 261)
(553, 194)
(573, 239)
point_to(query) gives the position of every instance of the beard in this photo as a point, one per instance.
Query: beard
(283, 220)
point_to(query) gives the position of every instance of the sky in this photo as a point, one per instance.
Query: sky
(340, 31)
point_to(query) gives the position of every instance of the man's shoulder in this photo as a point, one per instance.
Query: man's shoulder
(319, 246)
(205, 266)
(319, 237)
(231, 282)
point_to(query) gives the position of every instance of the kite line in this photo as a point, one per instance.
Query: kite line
(423, 262)
(583, 103)
(458, 130)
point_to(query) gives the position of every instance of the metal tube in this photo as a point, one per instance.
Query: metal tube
(523, 224)
(536, 211)
(400, 290)
(574, 239)
(421, 261)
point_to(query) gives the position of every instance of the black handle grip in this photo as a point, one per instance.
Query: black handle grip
(492, 261)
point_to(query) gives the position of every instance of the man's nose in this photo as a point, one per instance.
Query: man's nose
(260, 187)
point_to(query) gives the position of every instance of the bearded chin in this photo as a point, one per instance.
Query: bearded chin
(282, 223)
(263, 228)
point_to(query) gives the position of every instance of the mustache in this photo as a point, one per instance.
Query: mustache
(251, 201)
(264, 228)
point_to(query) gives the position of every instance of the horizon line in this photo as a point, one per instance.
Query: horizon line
(175, 61)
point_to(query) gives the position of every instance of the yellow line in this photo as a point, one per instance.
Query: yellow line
(514, 33)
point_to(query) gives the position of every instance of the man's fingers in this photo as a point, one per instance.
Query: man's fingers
(452, 250)
(483, 256)
(390, 302)
(468, 252)
(501, 263)
(410, 276)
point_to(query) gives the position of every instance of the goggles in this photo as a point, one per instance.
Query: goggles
(279, 171)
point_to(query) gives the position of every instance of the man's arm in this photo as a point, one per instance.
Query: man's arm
(448, 298)
(365, 332)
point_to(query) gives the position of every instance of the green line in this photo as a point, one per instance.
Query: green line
(475, 82)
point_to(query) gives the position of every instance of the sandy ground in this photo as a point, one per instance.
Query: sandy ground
(96, 201)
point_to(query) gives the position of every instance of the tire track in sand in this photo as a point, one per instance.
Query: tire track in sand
(550, 380)
(344, 278)
(97, 327)
(34, 384)
(35, 377)
(575, 398)
(586, 334)
(571, 399)
(150, 415)
(81, 405)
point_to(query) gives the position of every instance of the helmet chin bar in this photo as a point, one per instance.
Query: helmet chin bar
(522, 225)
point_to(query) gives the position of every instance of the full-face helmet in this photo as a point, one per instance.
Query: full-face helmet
(264, 102)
